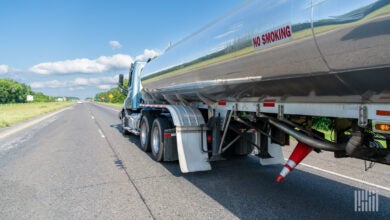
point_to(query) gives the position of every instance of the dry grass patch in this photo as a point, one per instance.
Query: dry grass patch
(14, 113)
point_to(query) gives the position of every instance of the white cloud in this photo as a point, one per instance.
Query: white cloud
(102, 64)
(76, 88)
(115, 44)
(148, 54)
(78, 83)
(48, 84)
(104, 87)
(95, 81)
(84, 65)
(4, 69)
(87, 66)
(81, 81)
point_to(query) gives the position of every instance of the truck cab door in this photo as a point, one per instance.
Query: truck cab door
(133, 98)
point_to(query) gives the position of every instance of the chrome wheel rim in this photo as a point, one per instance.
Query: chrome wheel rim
(143, 134)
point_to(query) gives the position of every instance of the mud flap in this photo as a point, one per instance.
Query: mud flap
(189, 148)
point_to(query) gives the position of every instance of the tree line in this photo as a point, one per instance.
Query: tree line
(12, 91)
(117, 96)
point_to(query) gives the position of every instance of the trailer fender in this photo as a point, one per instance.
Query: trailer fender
(189, 124)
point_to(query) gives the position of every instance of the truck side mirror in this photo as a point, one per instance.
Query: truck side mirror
(120, 83)
(130, 75)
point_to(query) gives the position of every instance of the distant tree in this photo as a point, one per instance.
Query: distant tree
(13, 92)
(118, 97)
(72, 98)
(101, 96)
(40, 97)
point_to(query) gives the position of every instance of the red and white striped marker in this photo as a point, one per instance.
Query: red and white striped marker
(300, 152)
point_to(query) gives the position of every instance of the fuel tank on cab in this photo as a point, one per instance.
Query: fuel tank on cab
(279, 48)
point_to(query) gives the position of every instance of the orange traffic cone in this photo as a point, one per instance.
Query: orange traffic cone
(300, 152)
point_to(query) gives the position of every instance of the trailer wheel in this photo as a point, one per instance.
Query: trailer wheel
(157, 140)
(145, 130)
(124, 131)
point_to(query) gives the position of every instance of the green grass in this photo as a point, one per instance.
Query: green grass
(201, 64)
(377, 13)
(11, 114)
(322, 29)
(329, 135)
(118, 105)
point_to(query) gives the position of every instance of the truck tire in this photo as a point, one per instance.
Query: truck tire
(145, 128)
(157, 138)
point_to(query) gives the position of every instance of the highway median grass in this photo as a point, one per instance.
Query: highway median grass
(117, 105)
(11, 114)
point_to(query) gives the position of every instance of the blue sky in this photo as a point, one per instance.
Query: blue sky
(78, 47)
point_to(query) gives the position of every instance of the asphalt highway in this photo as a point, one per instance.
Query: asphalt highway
(76, 164)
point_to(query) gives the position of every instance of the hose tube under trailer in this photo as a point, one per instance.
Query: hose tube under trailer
(304, 147)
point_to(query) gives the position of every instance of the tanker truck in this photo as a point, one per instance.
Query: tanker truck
(262, 75)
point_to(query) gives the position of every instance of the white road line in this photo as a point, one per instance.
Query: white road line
(101, 133)
(345, 177)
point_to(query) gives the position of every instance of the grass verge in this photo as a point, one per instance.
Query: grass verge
(118, 105)
(11, 114)
(329, 135)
